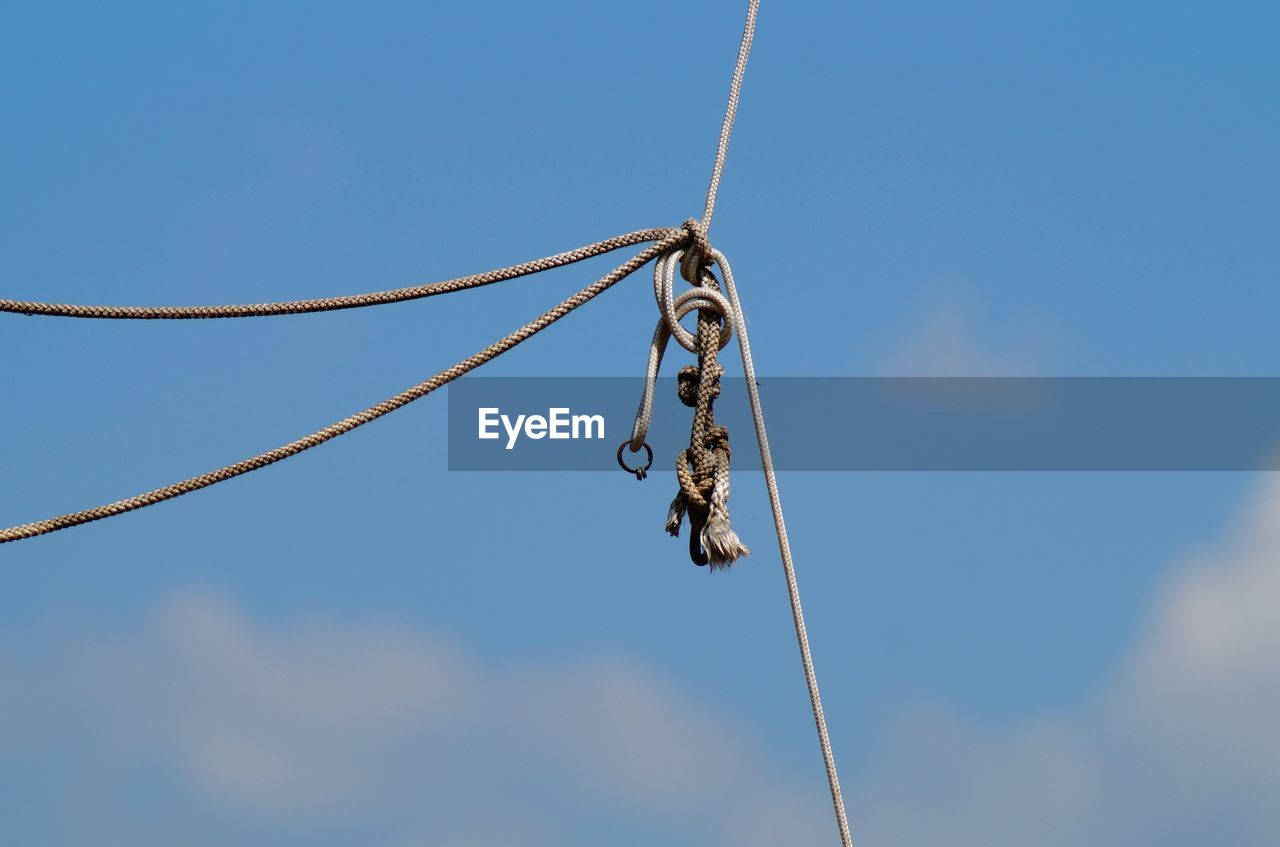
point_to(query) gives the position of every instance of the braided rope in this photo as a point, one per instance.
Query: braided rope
(735, 317)
(702, 470)
(731, 111)
(704, 483)
(359, 419)
(673, 309)
(330, 304)
(784, 547)
(691, 495)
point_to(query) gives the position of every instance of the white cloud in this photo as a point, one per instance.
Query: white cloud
(946, 342)
(315, 725)
(1182, 747)
(304, 721)
(320, 725)
(485, 833)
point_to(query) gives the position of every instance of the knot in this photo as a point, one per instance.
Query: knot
(696, 263)
(695, 485)
(703, 469)
(718, 440)
(690, 377)
(704, 298)
(687, 385)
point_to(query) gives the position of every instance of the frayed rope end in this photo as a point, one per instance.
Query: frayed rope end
(722, 545)
(675, 514)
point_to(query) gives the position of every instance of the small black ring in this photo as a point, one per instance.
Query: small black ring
(640, 473)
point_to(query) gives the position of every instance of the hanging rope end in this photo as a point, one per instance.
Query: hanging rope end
(722, 545)
(675, 515)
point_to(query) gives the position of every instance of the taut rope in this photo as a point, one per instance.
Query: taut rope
(784, 548)
(730, 111)
(359, 419)
(330, 304)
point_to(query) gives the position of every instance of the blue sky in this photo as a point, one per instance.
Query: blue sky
(358, 645)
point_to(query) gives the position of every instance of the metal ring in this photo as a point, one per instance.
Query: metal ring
(640, 473)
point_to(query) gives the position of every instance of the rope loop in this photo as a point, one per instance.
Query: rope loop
(703, 298)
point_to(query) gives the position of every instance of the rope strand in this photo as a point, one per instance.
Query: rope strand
(670, 324)
(784, 547)
(730, 112)
(359, 419)
(330, 304)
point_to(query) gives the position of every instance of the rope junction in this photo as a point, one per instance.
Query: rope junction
(702, 469)
(347, 424)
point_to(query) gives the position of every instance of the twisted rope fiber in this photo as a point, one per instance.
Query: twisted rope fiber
(331, 304)
(404, 398)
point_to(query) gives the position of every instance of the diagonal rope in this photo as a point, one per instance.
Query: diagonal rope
(730, 112)
(329, 304)
(404, 398)
(784, 547)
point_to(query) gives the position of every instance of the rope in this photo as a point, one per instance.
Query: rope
(330, 304)
(784, 547)
(404, 398)
(703, 469)
(730, 310)
(730, 112)
(672, 311)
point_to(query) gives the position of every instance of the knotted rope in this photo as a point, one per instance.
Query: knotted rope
(702, 469)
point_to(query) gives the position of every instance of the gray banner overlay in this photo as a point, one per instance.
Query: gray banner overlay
(873, 423)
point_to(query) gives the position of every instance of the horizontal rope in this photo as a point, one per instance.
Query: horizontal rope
(330, 304)
(404, 398)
